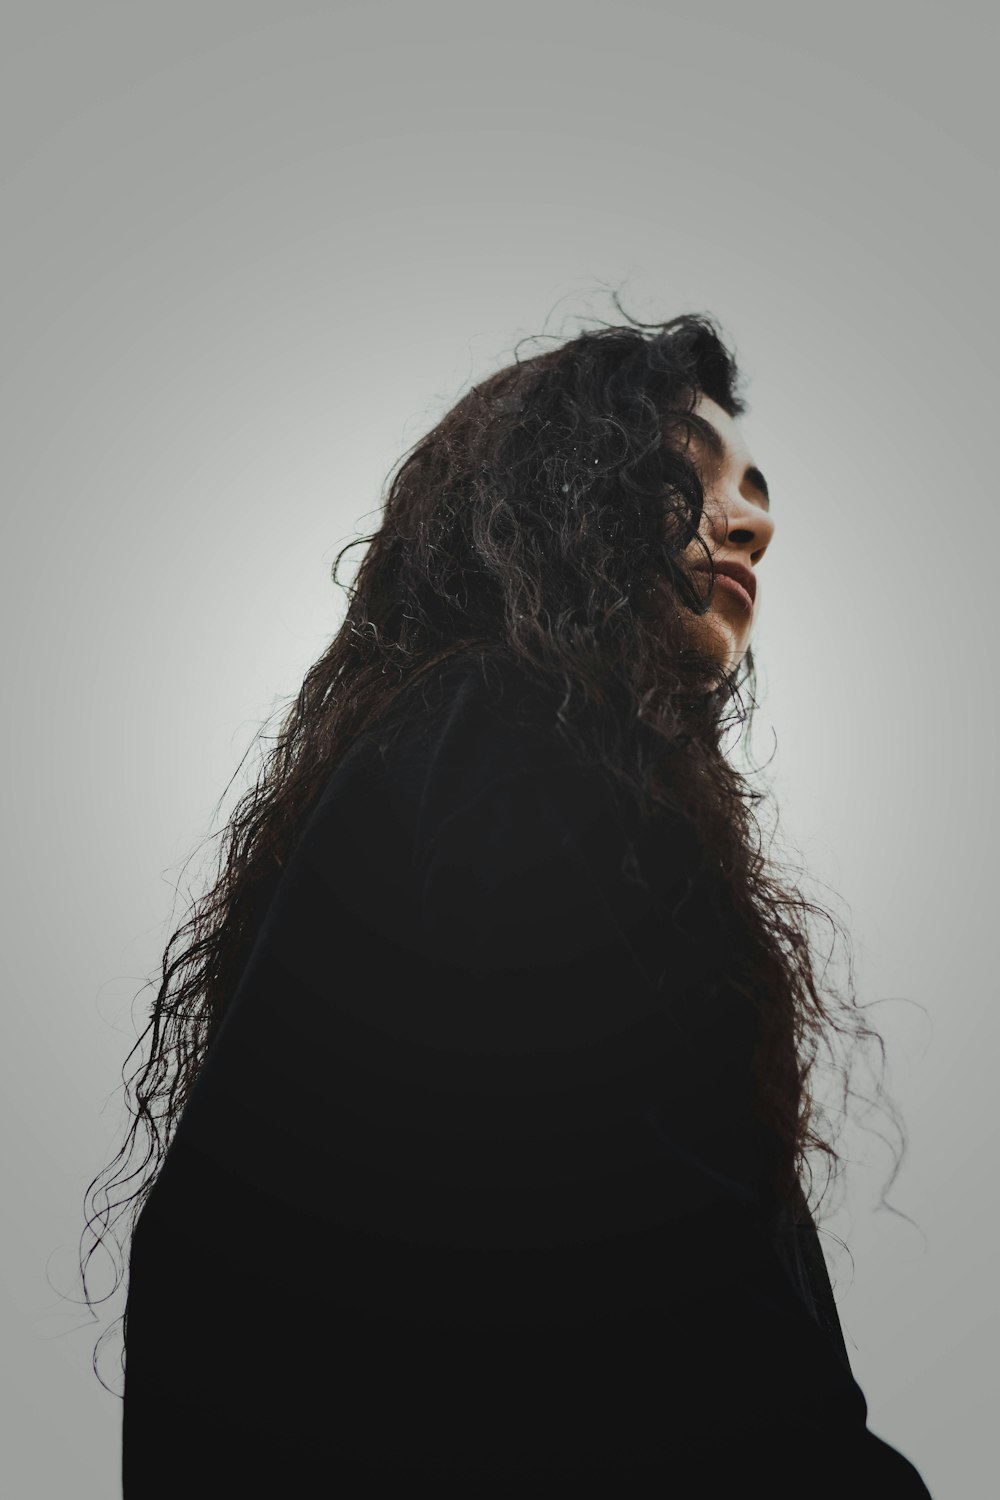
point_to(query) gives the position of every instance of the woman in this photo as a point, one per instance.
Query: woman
(486, 1075)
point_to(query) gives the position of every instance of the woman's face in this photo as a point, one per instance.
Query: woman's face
(736, 527)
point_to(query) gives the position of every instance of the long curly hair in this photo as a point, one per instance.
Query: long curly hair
(546, 521)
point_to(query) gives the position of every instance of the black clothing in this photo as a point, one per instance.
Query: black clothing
(469, 1187)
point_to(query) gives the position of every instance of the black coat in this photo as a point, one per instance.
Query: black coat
(469, 1186)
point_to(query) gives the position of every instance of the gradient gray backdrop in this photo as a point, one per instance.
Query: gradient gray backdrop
(252, 251)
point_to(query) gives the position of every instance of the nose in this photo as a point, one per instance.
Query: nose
(738, 522)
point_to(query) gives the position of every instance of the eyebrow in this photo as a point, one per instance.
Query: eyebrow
(756, 478)
(751, 473)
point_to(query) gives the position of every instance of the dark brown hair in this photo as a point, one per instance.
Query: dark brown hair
(541, 523)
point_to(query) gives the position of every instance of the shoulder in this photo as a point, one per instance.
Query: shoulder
(464, 807)
(464, 725)
(458, 730)
(470, 746)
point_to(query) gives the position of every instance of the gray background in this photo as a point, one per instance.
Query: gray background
(252, 252)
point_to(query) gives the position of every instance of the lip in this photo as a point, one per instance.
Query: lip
(736, 579)
(731, 586)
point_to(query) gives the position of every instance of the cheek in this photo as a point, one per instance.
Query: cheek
(713, 633)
